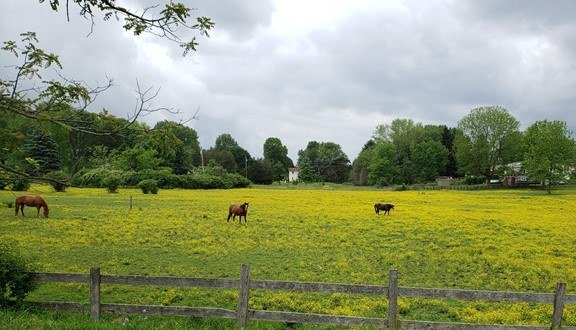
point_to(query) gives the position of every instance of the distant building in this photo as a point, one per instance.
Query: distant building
(444, 181)
(293, 173)
(516, 175)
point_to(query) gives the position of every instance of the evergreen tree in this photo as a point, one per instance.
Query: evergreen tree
(41, 152)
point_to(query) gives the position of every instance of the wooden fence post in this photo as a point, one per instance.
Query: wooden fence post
(559, 297)
(244, 295)
(95, 293)
(393, 299)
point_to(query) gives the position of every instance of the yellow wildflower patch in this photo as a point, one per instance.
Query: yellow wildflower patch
(505, 240)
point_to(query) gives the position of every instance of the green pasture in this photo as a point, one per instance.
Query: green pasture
(513, 240)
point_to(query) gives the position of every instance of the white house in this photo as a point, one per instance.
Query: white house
(293, 173)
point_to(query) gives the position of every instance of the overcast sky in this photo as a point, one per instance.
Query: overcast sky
(326, 70)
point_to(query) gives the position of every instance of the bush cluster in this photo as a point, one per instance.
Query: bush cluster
(109, 178)
(20, 184)
(471, 180)
(112, 182)
(59, 176)
(148, 186)
(15, 277)
(4, 180)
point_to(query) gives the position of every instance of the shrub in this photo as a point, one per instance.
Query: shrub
(76, 180)
(59, 176)
(173, 181)
(148, 185)
(237, 180)
(164, 177)
(112, 182)
(402, 187)
(207, 181)
(15, 277)
(95, 177)
(471, 180)
(4, 180)
(20, 184)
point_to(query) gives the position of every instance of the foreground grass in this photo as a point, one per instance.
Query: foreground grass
(36, 319)
(513, 240)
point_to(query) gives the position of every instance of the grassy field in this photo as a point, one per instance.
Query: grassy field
(516, 240)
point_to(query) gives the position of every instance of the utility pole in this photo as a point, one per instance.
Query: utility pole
(202, 158)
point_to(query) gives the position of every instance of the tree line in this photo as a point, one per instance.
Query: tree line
(46, 133)
(401, 152)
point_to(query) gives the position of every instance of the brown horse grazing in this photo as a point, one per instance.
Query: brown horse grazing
(236, 210)
(383, 207)
(36, 201)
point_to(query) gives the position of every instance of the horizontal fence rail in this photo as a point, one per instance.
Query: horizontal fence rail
(244, 284)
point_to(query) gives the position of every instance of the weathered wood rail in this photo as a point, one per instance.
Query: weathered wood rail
(244, 284)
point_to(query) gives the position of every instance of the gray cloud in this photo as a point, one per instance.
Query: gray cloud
(428, 61)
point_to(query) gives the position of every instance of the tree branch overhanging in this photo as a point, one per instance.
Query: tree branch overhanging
(166, 23)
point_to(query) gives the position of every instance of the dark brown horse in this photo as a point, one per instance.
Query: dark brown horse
(236, 210)
(35, 201)
(383, 207)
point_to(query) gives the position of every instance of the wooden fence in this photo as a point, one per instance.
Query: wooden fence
(244, 284)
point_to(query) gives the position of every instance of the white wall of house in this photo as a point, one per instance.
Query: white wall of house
(293, 174)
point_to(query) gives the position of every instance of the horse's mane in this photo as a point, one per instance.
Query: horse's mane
(43, 202)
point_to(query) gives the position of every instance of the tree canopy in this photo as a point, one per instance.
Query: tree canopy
(65, 102)
(324, 161)
(277, 154)
(551, 152)
(488, 138)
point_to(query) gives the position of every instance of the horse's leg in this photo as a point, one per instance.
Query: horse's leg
(17, 207)
(22, 209)
(229, 214)
(38, 211)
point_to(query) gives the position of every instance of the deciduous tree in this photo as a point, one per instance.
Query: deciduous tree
(383, 167)
(488, 139)
(277, 154)
(551, 152)
(429, 158)
(323, 162)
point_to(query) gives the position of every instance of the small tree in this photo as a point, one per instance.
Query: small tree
(15, 275)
